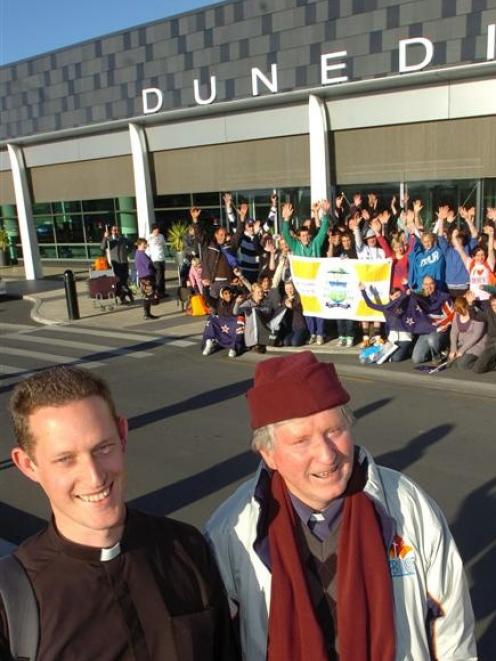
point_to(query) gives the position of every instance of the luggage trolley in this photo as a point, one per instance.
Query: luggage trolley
(101, 288)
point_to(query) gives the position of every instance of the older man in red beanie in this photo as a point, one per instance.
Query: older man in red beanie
(326, 555)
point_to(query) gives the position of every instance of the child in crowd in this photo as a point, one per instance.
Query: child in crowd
(195, 276)
(146, 277)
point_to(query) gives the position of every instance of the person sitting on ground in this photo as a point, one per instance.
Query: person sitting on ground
(223, 328)
(398, 331)
(305, 246)
(145, 271)
(467, 336)
(258, 312)
(487, 359)
(435, 304)
(109, 582)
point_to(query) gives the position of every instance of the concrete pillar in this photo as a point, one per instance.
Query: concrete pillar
(142, 180)
(29, 240)
(320, 176)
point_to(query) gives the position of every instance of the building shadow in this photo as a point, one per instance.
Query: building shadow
(414, 450)
(196, 487)
(191, 404)
(473, 530)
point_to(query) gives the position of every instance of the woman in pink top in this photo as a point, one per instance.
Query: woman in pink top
(397, 249)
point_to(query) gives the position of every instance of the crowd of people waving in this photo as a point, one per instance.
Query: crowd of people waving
(443, 283)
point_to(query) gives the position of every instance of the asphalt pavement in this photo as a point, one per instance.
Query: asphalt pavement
(189, 436)
(48, 299)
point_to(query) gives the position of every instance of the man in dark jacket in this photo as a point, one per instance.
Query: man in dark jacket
(109, 582)
(218, 260)
(117, 248)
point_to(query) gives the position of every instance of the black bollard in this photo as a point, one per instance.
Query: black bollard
(71, 295)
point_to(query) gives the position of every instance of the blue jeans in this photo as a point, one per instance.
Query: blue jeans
(428, 347)
(315, 325)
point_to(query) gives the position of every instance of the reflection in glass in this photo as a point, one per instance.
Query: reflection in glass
(98, 205)
(68, 229)
(94, 226)
(44, 229)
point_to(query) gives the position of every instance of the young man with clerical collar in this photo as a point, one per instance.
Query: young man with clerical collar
(326, 555)
(109, 582)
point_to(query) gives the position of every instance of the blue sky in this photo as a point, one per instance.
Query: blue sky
(31, 27)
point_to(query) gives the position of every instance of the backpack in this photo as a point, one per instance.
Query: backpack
(20, 608)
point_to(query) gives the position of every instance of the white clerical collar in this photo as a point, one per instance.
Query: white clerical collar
(111, 553)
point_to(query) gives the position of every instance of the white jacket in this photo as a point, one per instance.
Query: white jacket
(426, 569)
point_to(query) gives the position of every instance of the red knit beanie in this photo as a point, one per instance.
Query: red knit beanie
(293, 387)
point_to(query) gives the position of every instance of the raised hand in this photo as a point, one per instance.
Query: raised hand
(339, 200)
(325, 205)
(195, 212)
(442, 212)
(417, 206)
(365, 214)
(227, 197)
(470, 211)
(491, 213)
(287, 210)
(243, 210)
(357, 200)
(273, 199)
(256, 226)
(376, 225)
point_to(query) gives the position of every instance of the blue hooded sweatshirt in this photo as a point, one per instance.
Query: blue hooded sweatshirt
(423, 262)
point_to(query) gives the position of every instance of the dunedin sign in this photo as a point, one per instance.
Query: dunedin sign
(330, 66)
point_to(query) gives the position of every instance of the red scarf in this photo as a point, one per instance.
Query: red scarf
(365, 621)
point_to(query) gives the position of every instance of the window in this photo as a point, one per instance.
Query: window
(68, 229)
(44, 229)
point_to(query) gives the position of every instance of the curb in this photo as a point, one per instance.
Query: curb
(376, 373)
(371, 372)
(35, 316)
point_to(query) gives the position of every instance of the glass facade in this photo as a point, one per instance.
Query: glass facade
(74, 229)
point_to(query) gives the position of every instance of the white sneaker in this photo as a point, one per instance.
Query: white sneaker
(320, 340)
(209, 347)
(341, 341)
(349, 341)
(231, 353)
(312, 339)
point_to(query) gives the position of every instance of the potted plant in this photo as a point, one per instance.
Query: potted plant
(4, 245)
(175, 237)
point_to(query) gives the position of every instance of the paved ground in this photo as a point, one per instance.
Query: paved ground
(189, 438)
(49, 308)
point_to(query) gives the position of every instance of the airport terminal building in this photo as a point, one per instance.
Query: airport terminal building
(304, 97)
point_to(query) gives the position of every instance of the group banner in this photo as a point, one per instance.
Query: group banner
(329, 286)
